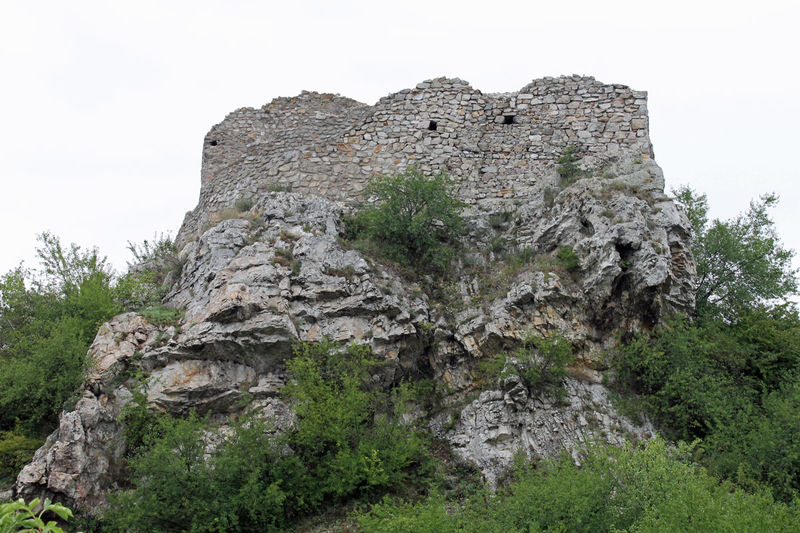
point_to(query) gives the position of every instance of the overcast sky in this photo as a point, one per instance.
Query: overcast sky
(104, 105)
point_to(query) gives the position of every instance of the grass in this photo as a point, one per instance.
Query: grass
(242, 205)
(348, 272)
(161, 315)
(283, 257)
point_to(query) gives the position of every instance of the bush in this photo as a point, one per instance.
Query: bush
(415, 219)
(161, 315)
(568, 259)
(651, 489)
(344, 445)
(243, 205)
(47, 321)
(15, 452)
(735, 385)
(567, 168)
(541, 361)
(155, 267)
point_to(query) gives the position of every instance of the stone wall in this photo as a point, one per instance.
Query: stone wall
(493, 144)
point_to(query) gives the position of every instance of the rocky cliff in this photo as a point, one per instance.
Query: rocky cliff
(255, 281)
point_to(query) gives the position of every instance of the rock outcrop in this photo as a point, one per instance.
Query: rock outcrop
(256, 280)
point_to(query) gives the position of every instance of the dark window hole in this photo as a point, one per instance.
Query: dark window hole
(432, 125)
(508, 119)
(213, 143)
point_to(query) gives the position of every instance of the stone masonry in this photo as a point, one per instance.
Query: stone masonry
(494, 145)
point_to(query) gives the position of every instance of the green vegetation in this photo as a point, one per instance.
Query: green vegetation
(654, 489)
(15, 452)
(154, 266)
(346, 444)
(161, 315)
(568, 169)
(414, 221)
(21, 516)
(540, 362)
(243, 205)
(741, 263)
(47, 320)
(734, 385)
(731, 376)
(726, 379)
(568, 259)
(49, 317)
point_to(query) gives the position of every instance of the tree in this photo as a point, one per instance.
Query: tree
(47, 320)
(741, 263)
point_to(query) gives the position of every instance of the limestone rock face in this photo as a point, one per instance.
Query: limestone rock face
(254, 282)
(499, 424)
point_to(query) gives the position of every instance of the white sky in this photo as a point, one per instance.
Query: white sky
(104, 105)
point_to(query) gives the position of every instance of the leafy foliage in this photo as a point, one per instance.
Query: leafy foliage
(568, 259)
(142, 426)
(244, 204)
(541, 361)
(47, 321)
(155, 266)
(727, 383)
(623, 490)
(343, 445)
(15, 451)
(21, 516)
(731, 377)
(741, 263)
(415, 219)
(161, 315)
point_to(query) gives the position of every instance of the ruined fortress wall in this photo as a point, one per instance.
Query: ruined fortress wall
(493, 144)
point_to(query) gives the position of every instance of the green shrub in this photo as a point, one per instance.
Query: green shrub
(549, 196)
(15, 452)
(652, 489)
(347, 272)
(344, 445)
(568, 259)
(244, 205)
(279, 187)
(155, 266)
(732, 384)
(497, 244)
(415, 219)
(501, 219)
(47, 321)
(567, 168)
(541, 362)
(142, 426)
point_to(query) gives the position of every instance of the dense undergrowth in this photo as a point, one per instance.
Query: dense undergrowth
(726, 379)
(348, 442)
(656, 488)
(48, 318)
